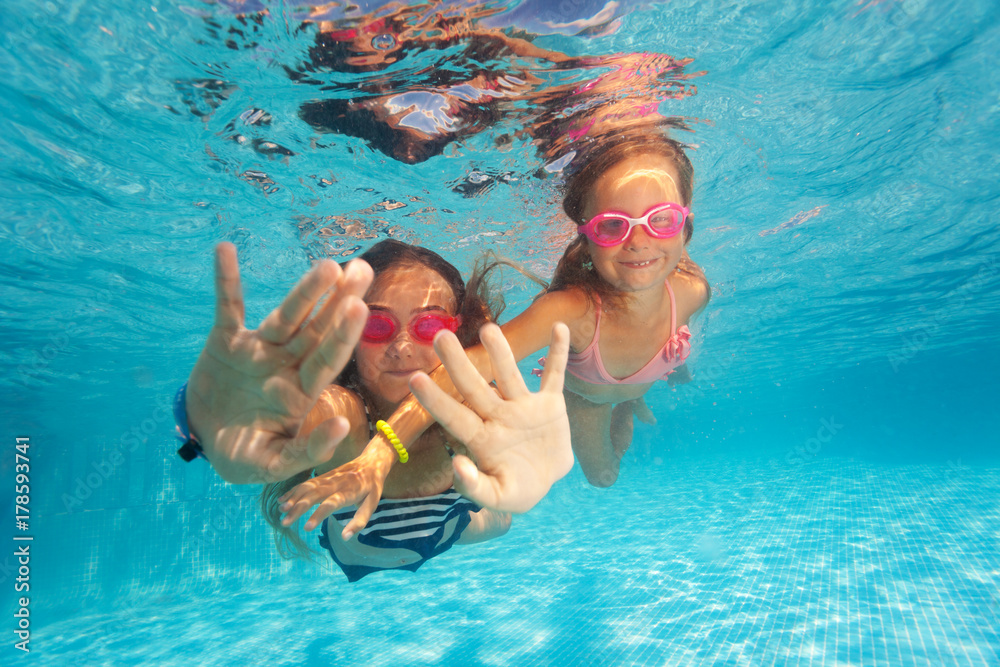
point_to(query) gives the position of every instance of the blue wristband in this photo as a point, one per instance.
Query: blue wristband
(191, 449)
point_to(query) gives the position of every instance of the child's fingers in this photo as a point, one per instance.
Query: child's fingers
(325, 509)
(285, 320)
(505, 371)
(295, 506)
(458, 420)
(297, 502)
(302, 501)
(366, 508)
(353, 282)
(554, 374)
(464, 375)
(335, 349)
(228, 291)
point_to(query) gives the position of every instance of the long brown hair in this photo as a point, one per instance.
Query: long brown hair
(575, 268)
(476, 307)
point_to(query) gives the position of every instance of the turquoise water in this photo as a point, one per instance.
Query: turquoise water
(846, 181)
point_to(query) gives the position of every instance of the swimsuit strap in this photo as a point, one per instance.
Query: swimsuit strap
(673, 308)
(364, 404)
(597, 333)
(597, 324)
(368, 416)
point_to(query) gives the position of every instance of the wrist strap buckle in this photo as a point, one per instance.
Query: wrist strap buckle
(191, 448)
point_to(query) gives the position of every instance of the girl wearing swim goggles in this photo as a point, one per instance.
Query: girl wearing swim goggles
(382, 327)
(611, 228)
(627, 298)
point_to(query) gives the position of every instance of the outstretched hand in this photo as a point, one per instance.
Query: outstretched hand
(250, 390)
(357, 482)
(520, 440)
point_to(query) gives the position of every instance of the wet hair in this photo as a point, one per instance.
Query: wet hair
(574, 268)
(474, 304)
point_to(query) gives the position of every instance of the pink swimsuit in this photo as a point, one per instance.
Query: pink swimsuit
(589, 367)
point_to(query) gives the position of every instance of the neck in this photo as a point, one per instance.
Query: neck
(380, 407)
(643, 305)
(383, 407)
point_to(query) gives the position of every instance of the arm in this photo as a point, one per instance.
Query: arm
(251, 390)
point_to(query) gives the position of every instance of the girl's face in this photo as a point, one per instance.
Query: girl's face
(633, 187)
(385, 368)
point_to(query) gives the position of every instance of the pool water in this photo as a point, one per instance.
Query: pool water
(825, 491)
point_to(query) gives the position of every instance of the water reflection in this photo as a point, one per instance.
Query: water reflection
(412, 80)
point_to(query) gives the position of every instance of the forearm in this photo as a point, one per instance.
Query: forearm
(410, 419)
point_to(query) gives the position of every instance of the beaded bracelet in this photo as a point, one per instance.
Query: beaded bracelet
(394, 440)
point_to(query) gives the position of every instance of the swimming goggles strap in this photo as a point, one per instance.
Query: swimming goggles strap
(191, 448)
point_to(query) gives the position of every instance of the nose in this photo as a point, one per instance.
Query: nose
(637, 238)
(401, 346)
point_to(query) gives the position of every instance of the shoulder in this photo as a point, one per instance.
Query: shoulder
(566, 305)
(691, 292)
(341, 399)
(577, 309)
(530, 331)
(573, 302)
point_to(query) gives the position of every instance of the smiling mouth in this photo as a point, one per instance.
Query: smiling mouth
(638, 265)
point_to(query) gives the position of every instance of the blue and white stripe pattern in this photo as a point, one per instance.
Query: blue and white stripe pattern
(427, 526)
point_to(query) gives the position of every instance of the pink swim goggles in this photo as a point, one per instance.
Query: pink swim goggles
(381, 327)
(610, 228)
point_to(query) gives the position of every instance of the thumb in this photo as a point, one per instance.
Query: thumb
(292, 456)
(471, 483)
(324, 439)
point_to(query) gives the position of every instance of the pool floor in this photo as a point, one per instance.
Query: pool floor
(828, 561)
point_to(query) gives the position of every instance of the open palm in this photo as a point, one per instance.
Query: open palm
(250, 390)
(520, 440)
